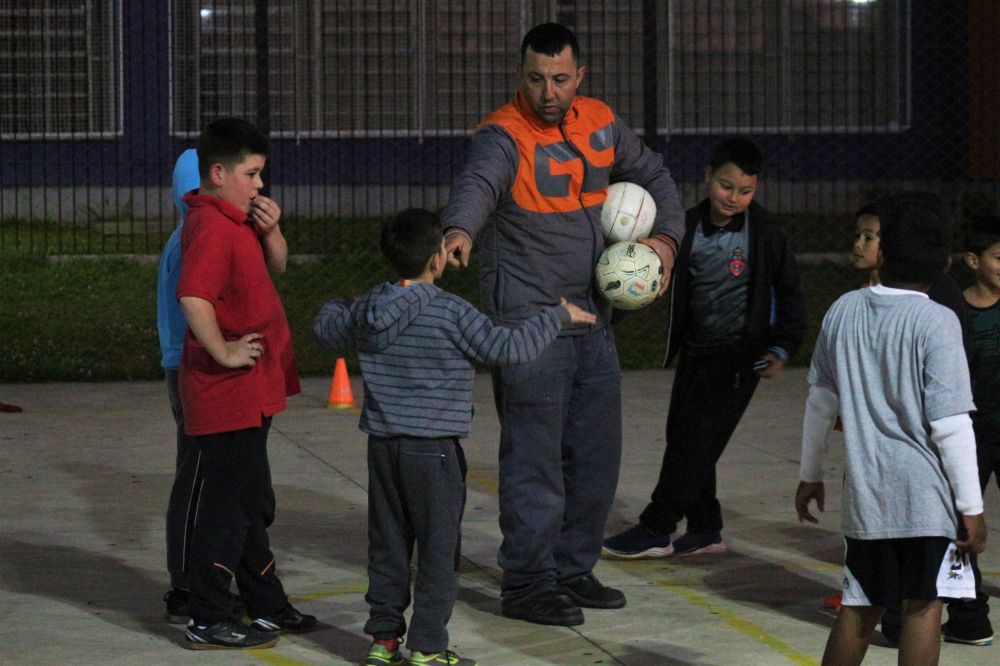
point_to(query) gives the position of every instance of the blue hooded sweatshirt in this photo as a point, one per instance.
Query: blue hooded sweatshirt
(169, 319)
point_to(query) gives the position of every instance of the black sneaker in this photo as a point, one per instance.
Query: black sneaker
(635, 543)
(227, 635)
(288, 621)
(699, 543)
(588, 592)
(953, 632)
(546, 608)
(177, 606)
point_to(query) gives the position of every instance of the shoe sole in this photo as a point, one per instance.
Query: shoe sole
(564, 622)
(176, 619)
(978, 642)
(648, 554)
(191, 645)
(583, 602)
(711, 549)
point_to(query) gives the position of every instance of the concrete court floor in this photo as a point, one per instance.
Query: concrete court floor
(84, 477)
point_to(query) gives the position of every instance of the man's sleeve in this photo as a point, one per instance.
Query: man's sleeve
(636, 163)
(488, 173)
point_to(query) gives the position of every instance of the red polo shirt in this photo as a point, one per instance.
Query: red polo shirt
(222, 261)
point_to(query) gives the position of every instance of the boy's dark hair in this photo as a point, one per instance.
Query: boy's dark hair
(550, 39)
(915, 237)
(981, 234)
(228, 141)
(867, 209)
(742, 152)
(409, 240)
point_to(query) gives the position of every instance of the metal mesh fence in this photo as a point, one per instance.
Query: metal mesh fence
(370, 107)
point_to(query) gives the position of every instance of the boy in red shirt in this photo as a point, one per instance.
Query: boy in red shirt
(236, 371)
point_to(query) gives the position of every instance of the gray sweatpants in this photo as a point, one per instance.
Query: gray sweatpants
(416, 496)
(560, 451)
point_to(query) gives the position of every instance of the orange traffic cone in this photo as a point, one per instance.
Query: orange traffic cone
(341, 396)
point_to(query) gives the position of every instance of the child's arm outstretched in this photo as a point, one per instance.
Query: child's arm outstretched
(332, 326)
(201, 319)
(488, 343)
(822, 406)
(956, 442)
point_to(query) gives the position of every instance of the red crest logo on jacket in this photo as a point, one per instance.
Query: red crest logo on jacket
(737, 262)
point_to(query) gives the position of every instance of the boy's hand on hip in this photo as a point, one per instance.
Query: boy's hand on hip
(975, 534)
(244, 352)
(809, 490)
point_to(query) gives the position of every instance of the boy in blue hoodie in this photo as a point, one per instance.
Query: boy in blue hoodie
(170, 325)
(416, 344)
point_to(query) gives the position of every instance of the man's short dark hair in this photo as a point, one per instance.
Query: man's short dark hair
(409, 240)
(742, 152)
(228, 141)
(915, 233)
(981, 234)
(550, 39)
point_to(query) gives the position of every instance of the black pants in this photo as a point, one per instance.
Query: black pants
(235, 508)
(709, 395)
(974, 614)
(183, 503)
(416, 496)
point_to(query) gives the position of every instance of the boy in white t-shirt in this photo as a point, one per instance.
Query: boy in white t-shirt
(891, 362)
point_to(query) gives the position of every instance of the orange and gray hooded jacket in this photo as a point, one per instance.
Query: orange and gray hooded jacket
(531, 194)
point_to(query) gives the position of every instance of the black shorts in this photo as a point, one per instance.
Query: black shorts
(884, 572)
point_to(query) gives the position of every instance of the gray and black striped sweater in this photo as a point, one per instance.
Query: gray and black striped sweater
(416, 345)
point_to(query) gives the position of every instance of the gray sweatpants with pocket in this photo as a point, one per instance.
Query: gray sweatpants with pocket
(416, 496)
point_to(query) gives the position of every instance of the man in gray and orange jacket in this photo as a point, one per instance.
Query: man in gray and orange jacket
(531, 197)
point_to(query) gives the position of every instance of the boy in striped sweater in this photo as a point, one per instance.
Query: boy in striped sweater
(416, 343)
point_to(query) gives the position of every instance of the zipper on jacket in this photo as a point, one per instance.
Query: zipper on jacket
(670, 324)
(598, 242)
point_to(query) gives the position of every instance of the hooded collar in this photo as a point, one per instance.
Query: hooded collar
(389, 308)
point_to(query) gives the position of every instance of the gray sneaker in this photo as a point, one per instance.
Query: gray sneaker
(227, 635)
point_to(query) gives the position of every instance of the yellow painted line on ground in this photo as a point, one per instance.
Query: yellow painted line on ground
(741, 624)
(484, 482)
(351, 589)
(488, 483)
(274, 658)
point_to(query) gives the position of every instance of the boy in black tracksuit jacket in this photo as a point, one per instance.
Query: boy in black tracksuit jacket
(737, 314)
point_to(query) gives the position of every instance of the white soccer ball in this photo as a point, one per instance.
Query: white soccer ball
(629, 275)
(628, 213)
